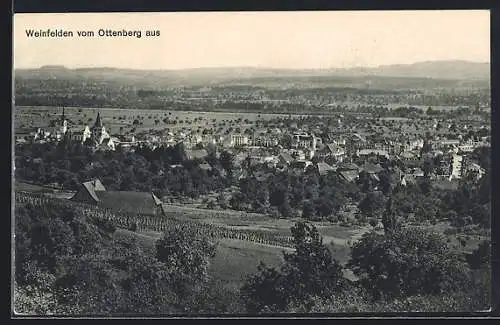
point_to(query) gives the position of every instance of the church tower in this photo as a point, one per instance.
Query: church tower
(98, 130)
(64, 123)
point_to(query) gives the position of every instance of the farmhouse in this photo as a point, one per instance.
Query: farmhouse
(93, 192)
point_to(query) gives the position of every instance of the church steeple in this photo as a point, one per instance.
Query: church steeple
(98, 131)
(63, 124)
(98, 122)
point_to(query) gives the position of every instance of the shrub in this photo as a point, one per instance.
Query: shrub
(407, 261)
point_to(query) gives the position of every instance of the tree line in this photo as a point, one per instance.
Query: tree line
(286, 193)
(165, 170)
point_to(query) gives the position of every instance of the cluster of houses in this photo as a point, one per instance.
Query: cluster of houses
(302, 149)
(96, 136)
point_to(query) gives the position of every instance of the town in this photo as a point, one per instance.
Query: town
(326, 143)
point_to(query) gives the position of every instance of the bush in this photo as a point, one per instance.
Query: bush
(133, 226)
(308, 272)
(450, 231)
(407, 261)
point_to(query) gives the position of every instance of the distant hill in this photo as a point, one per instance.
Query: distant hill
(454, 70)
(53, 68)
(461, 72)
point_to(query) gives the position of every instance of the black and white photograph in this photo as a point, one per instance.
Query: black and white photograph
(244, 164)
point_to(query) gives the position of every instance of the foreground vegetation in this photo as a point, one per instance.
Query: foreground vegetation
(71, 263)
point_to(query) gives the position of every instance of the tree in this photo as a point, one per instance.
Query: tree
(309, 210)
(389, 219)
(428, 167)
(277, 195)
(425, 185)
(325, 207)
(365, 182)
(385, 183)
(286, 208)
(308, 272)
(221, 200)
(150, 284)
(483, 156)
(407, 261)
(89, 286)
(33, 300)
(481, 214)
(371, 204)
(480, 256)
(48, 238)
(188, 255)
(227, 160)
(373, 222)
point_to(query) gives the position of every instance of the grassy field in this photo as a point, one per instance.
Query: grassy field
(472, 240)
(252, 221)
(113, 119)
(234, 259)
(29, 117)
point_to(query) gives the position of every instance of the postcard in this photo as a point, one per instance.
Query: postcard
(244, 164)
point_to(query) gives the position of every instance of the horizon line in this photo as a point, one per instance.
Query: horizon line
(250, 67)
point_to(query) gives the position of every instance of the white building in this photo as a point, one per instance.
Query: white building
(304, 140)
(238, 140)
(265, 141)
(81, 136)
(456, 166)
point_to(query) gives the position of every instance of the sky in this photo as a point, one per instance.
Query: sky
(288, 40)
